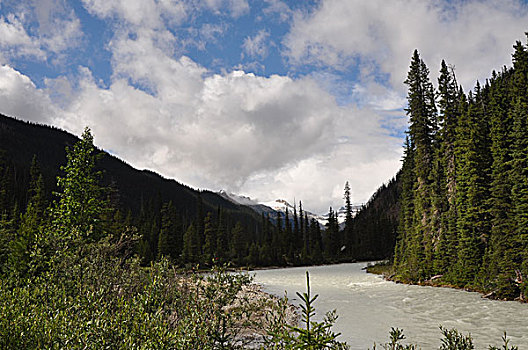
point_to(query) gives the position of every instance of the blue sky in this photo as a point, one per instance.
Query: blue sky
(270, 99)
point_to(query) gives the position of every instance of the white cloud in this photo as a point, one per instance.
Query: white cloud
(20, 98)
(257, 46)
(233, 126)
(268, 137)
(475, 36)
(134, 12)
(362, 153)
(15, 41)
(235, 8)
(279, 9)
(57, 30)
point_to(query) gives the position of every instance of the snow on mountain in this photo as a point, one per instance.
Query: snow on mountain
(280, 205)
(235, 198)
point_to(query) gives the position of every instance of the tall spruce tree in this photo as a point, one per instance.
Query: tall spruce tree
(209, 249)
(443, 173)
(348, 230)
(422, 128)
(519, 172)
(472, 189)
(170, 238)
(191, 245)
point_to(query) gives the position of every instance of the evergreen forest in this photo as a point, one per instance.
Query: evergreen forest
(464, 181)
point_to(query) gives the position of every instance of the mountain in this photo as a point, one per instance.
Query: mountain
(20, 141)
(280, 205)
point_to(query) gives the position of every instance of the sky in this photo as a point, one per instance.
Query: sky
(264, 98)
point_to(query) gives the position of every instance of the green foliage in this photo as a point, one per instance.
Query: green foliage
(118, 304)
(395, 338)
(463, 204)
(454, 340)
(314, 335)
(82, 201)
(191, 245)
(451, 340)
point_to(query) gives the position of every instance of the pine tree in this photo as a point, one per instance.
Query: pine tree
(209, 249)
(31, 222)
(288, 236)
(472, 162)
(303, 248)
(222, 241)
(443, 174)
(316, 244)
(239, 244)
(331, 244)
(348, 230)
(170, 239)
(404, 241)
(191, 245)
(422, 130)
(296, 235)
(501, 232)
(278, 241)
(519, 173)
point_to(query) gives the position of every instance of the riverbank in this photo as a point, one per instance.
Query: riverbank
(386, 270)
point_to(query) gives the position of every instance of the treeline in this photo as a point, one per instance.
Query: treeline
(190, 237)
(215, 238)
(373, 232)
(187, 226)
(464, 201)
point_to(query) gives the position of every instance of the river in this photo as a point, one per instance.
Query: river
(369, 306)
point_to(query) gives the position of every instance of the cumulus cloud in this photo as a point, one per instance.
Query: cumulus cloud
(19, 97)
(361, 152)
(232, 127)
(475, 36)
(134, 12)
(270, 136)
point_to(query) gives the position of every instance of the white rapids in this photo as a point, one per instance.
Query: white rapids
(369, 306)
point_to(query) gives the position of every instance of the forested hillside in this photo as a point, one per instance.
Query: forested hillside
(161, 210)
(173, 220)
(464, 201)
(373, 232)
